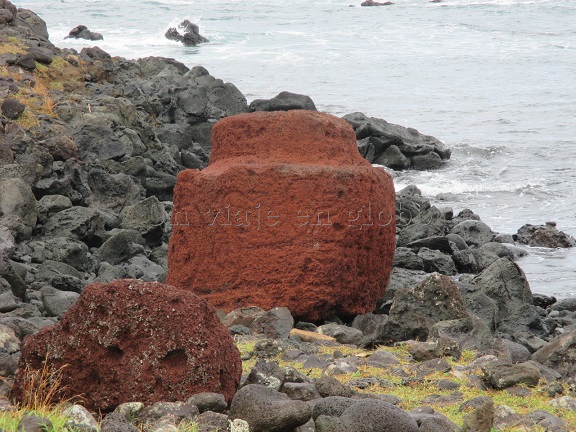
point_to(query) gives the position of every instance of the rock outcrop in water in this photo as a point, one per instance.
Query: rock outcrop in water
(191, 36)
(375, 3)
(547, 236)
(395, 146)
(286, 214)
(283, 101)
(82, 32)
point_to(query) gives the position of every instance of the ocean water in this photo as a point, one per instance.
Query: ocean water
(494, 79)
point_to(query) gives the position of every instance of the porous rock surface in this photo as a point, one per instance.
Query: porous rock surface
(133, 340)
(287, 214)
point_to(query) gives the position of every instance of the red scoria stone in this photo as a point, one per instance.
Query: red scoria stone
(135, 341)
(286, 214)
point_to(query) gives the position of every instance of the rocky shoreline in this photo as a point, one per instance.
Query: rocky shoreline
(90, 146)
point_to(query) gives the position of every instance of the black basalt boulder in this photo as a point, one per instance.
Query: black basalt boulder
(82, 32)
(191, 36)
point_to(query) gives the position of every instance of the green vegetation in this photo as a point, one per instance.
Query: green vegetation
(12, 45)
(41, 388)
(60, 75)
(39, 395)
(9, 420)
(38, 88)
(412, 394)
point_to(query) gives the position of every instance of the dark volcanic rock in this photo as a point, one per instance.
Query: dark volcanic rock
(83, 223)
(375, 3)
(17, 208)
(415, 310)
(99, 143)
(7, 12)
(69, 251)
(82, 32)
(116, 422)
(191, 36)
(393, 158)
(436, 261)
(502, 375)
(274, 324)
(343, 334)
(395, 146)
(61, 147)
(33, 26)
(26, 61)
(332, 406)
(34, 423)
(283, 101)
(159, 410)
(147, 217)
(474, 233)
(301, 391)
(131, 340)
(473, 260)
(266, 410)
(560, 354)
(428, 161)
(405, 258)
(12, 108)
(481, 419)
(505, 283)
(328, 386)
(7, 272)
(266, 373)
(95, 53)
(120, 247)
(57, 302)
(60, 275)
(543, 300)
(208, 401)
(243, 316)
(372, 415)
(544, 236)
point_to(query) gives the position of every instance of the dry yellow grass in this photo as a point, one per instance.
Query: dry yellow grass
(39, 87)
(412, 395)
(40, 388)
(11, 45)
(40, 397)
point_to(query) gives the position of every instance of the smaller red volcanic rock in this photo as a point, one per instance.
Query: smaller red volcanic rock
(135, 341)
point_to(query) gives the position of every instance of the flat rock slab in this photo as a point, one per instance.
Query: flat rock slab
(502, 375)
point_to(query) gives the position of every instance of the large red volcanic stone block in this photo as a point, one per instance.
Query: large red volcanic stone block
(135, 341)
(286, 214)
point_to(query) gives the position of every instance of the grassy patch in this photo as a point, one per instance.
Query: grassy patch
(28, 120)
(413, 394)
(9, 420)
(40, 390)
(37, 89)
(60, 75)
(12, 45)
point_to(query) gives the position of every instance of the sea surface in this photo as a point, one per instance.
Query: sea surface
(494, 79)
